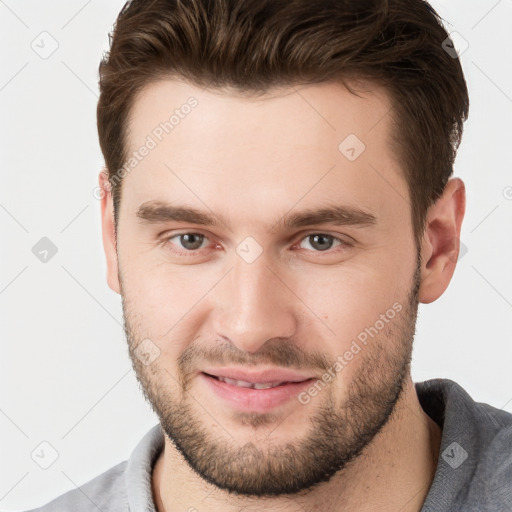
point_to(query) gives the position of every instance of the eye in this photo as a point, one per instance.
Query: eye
(188, 242)
(322, 242)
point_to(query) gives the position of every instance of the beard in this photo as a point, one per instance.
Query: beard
(339, 430)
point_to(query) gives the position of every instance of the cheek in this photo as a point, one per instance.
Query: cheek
(161, 290)
(159, 307)
(349, 296)
(350, 301)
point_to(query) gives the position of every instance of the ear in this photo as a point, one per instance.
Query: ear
(441, 241)
(108, 232)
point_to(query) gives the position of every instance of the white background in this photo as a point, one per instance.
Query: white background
(65, 375)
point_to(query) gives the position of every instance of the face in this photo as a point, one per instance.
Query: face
(272, 330)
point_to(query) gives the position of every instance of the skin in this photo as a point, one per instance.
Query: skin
(253, 160)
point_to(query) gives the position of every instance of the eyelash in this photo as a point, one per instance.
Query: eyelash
(193, 253)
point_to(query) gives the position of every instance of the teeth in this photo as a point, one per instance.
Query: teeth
(267, 385)
(244, 384)
(241, 383)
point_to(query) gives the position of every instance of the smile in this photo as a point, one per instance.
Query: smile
(252, 385)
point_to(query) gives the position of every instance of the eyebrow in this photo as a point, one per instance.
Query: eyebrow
(155, 212)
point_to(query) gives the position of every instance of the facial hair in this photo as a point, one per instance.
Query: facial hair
(339, 430)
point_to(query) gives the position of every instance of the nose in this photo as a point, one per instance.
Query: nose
(254, 304)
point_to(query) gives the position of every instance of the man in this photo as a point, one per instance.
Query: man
(277, 203)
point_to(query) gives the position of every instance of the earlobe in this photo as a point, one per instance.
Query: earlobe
(108, 232)
(441, 241)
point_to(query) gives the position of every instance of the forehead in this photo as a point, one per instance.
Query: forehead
(287, 114)
(298, 143)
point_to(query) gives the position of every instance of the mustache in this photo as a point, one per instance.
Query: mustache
(276, 351)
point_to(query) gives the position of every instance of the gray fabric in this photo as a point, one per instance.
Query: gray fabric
(478, 482)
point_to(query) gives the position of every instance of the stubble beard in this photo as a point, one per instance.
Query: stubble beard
(338, 431)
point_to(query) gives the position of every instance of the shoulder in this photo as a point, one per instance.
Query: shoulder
(492, 479)
(124, 487)
(451, 406)
(106, 492)
(474, 470)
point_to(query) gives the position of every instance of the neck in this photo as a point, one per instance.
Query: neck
(394, 472)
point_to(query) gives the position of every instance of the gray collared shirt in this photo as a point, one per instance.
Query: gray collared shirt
(474, 469)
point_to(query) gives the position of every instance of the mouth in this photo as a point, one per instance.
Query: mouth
(259, 392)
(251, 385)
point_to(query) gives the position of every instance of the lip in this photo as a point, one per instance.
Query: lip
(259, 376)
(255, 400)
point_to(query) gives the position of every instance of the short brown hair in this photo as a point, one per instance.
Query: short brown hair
(255, 45)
